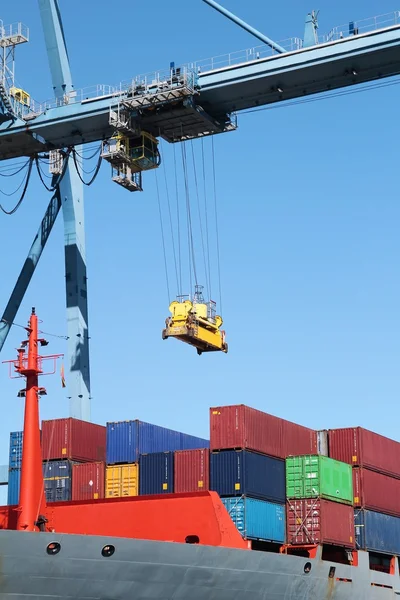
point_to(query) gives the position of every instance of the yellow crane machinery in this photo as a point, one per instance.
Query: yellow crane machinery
(196, 323)
(20, 95)
(139, 153)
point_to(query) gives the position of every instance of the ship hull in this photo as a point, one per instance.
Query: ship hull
(141, 569)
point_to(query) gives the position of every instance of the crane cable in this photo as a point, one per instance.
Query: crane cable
(206, 272)
(162, 237)
(27, 178)
(216, 224)
(170, 223)
(178, 223)
(192, 257)
(96, 169)
(55, 180)
(206, 216)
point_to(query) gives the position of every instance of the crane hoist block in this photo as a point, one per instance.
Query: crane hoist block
(192, 323)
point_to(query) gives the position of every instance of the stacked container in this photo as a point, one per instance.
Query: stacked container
(319, 493)
(140, 459)
(192, 470)
(247, 467)
(375, 460)
(14, 467)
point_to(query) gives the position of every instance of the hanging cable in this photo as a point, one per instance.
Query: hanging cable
(178, 223)
(16, 207)
(96, 171)
(171, 227)
(98, 149)
(206, 217)
(55, 180)
(25, 164)
(200, 221)
(162, 237)
(216, 224)
(189, 217)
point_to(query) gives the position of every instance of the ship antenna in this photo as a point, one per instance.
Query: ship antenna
(32, 504)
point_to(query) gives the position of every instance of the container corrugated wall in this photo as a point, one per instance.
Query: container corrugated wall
(363, 448)
(122, 480)
(156, 473)
(376, 491)
(126, 440)
(73, 439)
(15, 455)
(57, 480)
(88, 481)
(14, 482)
(319, 477)
(192, 470)
(240, 426)
(257, 519)
(240, 472)
(315, 521)
(377, 532)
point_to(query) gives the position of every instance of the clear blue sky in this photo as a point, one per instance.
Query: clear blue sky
(308, 199)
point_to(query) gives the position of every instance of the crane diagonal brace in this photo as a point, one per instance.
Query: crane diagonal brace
(29, 267)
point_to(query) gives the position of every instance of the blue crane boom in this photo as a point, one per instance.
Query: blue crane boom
(207, 99)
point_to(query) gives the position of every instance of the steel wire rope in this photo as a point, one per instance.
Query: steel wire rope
(24, 164)
(200, 221)
(96, 171)
(189, 217)
(178, 223)
(170, 222)
(27, 179)
(216, 224)
(162, 237)
(206, 215)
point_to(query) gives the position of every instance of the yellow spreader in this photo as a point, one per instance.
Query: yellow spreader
(196, 324)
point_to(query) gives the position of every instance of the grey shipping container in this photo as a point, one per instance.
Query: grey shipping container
(377, 532)
(241, 472)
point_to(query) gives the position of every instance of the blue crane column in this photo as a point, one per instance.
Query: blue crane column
(71, 191)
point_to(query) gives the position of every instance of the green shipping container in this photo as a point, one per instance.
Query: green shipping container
(319, 477)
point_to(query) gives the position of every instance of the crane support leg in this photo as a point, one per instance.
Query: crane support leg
(29, 267)
(71, 190)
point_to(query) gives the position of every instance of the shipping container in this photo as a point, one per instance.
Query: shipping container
(88, 481)
(323, 442)
(377, 532)
(319, 477)
(57, 480)
(126, 440)
(242, 427)
(240, 472)
(122, 480)
(156, 473)
(14, 482)
(363, 448)
(15, 457)
(257, 519)
(316, 521)
(73, 439)
(376, 491)
(192, 470)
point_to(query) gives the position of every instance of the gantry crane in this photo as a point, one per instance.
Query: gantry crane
(178, 104)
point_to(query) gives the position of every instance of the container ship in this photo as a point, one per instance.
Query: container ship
(265, 508)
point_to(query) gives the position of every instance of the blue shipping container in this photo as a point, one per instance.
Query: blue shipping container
(126, 440)
(14, 482)
(257, 519)
(240, 472)
(15, 459)
(57, 476)
(377, 532)
(156, 473)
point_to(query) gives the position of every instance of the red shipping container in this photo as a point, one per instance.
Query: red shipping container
(363, 448)
(243, 427)
(74, 440)
(88, 481)
(315, 521)
(376, 491)
(192, 470)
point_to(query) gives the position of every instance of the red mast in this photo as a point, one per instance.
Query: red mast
(32, 504)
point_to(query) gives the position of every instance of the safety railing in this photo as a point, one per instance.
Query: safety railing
(14, 33)
(364, 26)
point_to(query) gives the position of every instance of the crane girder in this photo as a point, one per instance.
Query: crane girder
(219, 93)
